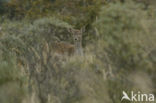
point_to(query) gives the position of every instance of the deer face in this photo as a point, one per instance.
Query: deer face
(77, 35)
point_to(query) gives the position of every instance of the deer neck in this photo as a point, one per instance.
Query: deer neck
(78, 48)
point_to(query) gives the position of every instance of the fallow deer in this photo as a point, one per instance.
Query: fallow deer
(63, 48)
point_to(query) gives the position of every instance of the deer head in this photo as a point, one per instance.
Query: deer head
(77, 38)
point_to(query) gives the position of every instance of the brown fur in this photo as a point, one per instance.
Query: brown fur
(63, 48)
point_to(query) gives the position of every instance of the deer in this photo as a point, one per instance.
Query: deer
(63, 48)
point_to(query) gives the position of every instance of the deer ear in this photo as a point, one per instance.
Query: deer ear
(70, 30)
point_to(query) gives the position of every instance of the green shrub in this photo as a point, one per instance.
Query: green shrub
(12, 80)
(126, 39)
(125, 35)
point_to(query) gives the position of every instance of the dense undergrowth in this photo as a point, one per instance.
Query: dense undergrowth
(119, 55)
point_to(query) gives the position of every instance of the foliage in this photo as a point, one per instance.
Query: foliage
(124, 35)
(77, 13)
(2, 6)
(28, 8)
(11, 80)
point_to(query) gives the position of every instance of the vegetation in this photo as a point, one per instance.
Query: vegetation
(119, 45)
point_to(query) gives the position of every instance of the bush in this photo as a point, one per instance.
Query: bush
(125, 41)
(125, 35)
(12, 79)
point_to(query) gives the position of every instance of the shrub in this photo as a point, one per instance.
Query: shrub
(125, 41)
(125, 34)
(12, 79)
